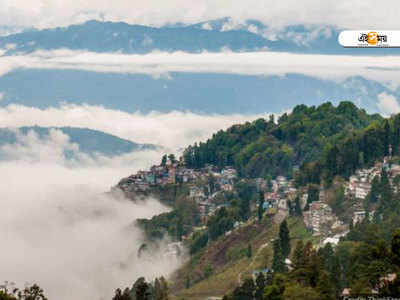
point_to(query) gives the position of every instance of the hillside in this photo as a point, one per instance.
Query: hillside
(89, 141)
(283, 231)
(268, 148)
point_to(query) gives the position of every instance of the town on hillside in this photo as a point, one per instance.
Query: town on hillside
(279, 194)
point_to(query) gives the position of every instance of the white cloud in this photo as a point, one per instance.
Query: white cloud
(172, 130)
(2, 96)
(206, 26)
(351, 14)
(337, 67)
(388, 104)
(59, 221)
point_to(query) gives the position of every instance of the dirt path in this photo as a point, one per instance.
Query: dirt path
(239, 279)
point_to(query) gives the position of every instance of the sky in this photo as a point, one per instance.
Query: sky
(356, 14)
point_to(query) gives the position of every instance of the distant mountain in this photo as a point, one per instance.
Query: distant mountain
(197, 92)
(89, 141)
(211, 36)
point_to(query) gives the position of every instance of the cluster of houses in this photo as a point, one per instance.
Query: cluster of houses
(204, 194)
(277, 195)
(359, 184)
(321, 219)
(173, 172)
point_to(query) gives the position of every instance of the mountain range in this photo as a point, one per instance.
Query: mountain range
(89, 141)
(203, 91)
(211, 36)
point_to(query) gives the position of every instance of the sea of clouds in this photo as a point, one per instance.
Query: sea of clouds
(59, 228)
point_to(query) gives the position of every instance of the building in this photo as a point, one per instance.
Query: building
(256, 272)
(319, 213)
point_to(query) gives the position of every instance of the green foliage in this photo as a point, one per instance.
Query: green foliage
(219, 223)
(296, 291)
(297, 207)
(313, 194)
(284, 238)
(276, 289)
(278, 262)
(164, 160)
(246, 193)
(200, 240)
(208, 271)
(33, 292)
(245, 291)
(260, 210)
(263, 148)
(357, 149)
(142, 290)
(249, 252)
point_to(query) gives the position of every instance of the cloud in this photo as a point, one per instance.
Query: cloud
(58, 220)
(172, 130)
(2, 96)
(388, 104)
(350, 14)
(333, 67)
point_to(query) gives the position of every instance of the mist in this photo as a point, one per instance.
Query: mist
(60, 229)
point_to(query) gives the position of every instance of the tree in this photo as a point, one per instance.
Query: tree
(260, 286)
(276, 289)
(245, 291)
(396, 248)
(164, 160)
(164, 287)
(278, 261)
(141, 290)
(325, 287)
(375, 190)
(260, 210)
(284, 237)
(187, 282)
(249, 251)
(338, 206)
(296, 292)
(33, 292)
(297, 207)
(171, 158)
(298, 260)
(313, 193)
(119, 295)
(179, 228)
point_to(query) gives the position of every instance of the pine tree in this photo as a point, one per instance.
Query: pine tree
(164, 160)
(297, 207)
(260, 285)
(284, 237)
(298, 256)
(244, 292)
(325, 287)
(260, 211)
(249, 252)
(179, 228)
(187, 282)
(278, 262)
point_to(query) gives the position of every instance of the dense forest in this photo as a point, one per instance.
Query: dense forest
(360, 148)
(266, 148)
